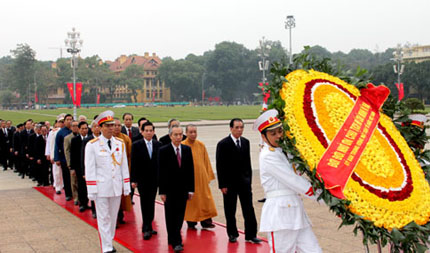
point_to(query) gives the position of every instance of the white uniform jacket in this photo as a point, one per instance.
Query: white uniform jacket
(106, 170)
(283, 208)
(50, 142)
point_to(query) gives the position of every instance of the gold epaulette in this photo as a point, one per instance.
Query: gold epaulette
(94, 140)
(119, 139)
(271, 149)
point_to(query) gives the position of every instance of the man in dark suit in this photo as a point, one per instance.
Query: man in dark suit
(166, 138)
(31, 151)
(5, 144)
(128, 128)
(233, 164)
(75, 164)
(144, 175)
(25, 161)
(11, 130)
(176, 184)
(41, 163)
(17, 148)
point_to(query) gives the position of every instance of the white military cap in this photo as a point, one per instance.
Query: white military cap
(60, 116)
(105, 117)
(267, 120)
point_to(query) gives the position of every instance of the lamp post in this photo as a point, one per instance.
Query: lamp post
(203, 91)
(290, 23)
(73, 44)
(398, 58)
(263, 65)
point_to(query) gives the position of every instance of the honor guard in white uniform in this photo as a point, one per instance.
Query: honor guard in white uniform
(283, 216)
(107, 177)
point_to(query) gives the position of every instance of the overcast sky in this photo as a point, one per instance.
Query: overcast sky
(176, 28)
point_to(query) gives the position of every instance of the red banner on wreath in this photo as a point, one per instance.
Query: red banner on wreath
(344, 152)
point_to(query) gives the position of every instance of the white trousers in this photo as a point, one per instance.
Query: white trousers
(107, 213)
(57, 174)
(291, 241)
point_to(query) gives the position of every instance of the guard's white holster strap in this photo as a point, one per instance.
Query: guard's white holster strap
(273, 194)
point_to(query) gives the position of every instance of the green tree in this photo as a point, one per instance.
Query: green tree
(22, 70)
(132, 77)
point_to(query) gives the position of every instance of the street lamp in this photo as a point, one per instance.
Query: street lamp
(73, 44)
(398, 58)
(203, 91)
(290, 24)
(263, 53)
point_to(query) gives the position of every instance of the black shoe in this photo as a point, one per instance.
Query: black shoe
(58, 192)
(82, 208)
(147, 235)
(76, 203)
(232, 238)
(94, 216)
(113, 249)
(153, 232)
(262, 200)
(34, 179)
(39, 184)
(207, 225)
(68, 198)
(121, 221)
(178, 248)
(253, 240)
(192, 227)
(4, 169)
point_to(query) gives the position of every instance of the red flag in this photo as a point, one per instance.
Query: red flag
(78, 94)
(400, 90)
(70, 87)
(36, 99)
(98, 98)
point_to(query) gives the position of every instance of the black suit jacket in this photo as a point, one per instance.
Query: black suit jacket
(39, 148)
(174, 179)
(144, 170)
(23, 135)
(134, 131)
(84, 143)
(16, 142)
(5, 141)
(31, 143)
(233, 165)
(76, 154)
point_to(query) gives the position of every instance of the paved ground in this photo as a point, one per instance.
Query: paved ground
(30, 222)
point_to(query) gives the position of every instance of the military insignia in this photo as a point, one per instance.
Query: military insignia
(94, 140)
(271, 149)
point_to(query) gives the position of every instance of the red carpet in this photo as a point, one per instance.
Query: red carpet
(130, 235)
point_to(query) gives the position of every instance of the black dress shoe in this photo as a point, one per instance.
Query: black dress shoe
(153, 232)
(262, 200)
(232, 238)
(178, 248)
(253, 240)
(147, 235)
(82, 208)
(68, 198)
(113, 249)
(58, 192)
(76, 203)
(94, 216)
(207, 225)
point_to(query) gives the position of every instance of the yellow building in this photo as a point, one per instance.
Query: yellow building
(416, 54)
(152, 90)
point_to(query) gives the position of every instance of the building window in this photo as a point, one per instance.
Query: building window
(161, 94)
(148, 94)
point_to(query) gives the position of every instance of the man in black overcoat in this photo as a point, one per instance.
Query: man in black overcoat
(233, 164)
(176, 184)
(144, 175)
(41, 163)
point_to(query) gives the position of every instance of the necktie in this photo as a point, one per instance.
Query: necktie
(110, 147)
(5, 132)
(238, 143)
(149, 149)
(129, 133)
(178, 156)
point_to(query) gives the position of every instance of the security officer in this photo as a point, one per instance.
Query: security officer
(283, 216)
(107, 177)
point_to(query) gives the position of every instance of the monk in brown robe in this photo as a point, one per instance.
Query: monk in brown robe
(201, 208)
(125, 200)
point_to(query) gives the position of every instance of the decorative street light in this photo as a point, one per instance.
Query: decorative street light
(290, 24)
(203, 91)
(73, 44)
(398, 58)
(263, 53)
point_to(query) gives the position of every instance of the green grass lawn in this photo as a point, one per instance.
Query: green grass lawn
(155, 114)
